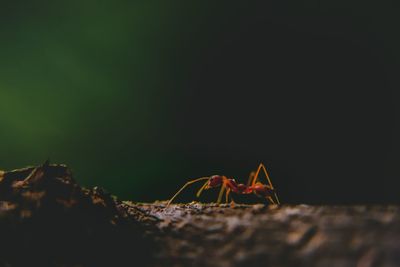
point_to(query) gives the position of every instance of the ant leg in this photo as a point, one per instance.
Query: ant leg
(255, 178)
(271, 200)
(227, 195)
(270, 183)
(221, 192)
(251, 176)
(277, 199)
(228, 191)
(261, 166)
(232, 202)
(201, 189)
(183, 187)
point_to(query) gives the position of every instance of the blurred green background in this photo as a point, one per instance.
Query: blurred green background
(87, 83)
(94, 85)
(103, 86)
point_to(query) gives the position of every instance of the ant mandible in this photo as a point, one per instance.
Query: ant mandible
(229, 185)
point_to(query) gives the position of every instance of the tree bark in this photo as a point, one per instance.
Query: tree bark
(257, 235)
(47, 219)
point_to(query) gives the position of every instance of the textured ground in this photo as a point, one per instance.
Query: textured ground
(47, 219)
(209, 235)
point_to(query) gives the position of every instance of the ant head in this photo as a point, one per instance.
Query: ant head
(215, 180)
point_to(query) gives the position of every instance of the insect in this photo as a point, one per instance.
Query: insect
(229, 186)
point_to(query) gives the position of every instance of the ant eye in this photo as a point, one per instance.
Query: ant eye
(215, 180)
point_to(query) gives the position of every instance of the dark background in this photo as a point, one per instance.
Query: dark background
(141, 97)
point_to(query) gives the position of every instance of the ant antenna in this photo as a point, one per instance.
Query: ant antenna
(183, 187)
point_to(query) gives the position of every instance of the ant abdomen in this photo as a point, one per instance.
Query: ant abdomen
(263, 190)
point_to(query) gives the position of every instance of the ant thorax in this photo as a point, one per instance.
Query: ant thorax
(238, 188)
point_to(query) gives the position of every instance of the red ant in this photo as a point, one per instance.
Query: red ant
(253, 186)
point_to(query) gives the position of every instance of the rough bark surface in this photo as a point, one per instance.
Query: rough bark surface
(47, 219)
(256, 235)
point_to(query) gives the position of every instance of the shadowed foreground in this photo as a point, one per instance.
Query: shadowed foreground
(47, 219)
